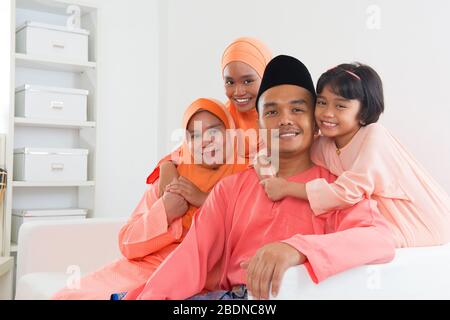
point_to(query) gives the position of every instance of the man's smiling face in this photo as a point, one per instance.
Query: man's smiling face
(290, 109)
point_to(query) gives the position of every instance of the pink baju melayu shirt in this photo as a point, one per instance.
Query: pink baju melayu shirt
(237, 219)
(375, 165)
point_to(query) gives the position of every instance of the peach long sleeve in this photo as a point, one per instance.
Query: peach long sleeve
(147, 230)
(145, 241)
(375, 165)
(238, 218)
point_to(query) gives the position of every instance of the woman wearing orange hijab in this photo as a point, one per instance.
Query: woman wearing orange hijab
(158, 225)
(243, 64)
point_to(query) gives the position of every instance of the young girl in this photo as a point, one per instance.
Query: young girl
(157, 226)
(243, 64)
(369, 161)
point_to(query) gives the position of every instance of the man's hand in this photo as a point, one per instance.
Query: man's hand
(267, 267)
(175, 205)
(188, 191)
(167, 172)
(275, 188)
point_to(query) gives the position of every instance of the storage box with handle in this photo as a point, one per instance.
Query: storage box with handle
(49, 40)
(50, 165)
(51, 103)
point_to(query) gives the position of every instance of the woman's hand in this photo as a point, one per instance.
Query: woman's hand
(167, 172)
(188, 191)
(175, 206)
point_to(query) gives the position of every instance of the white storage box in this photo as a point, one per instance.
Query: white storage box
(52, 40)
(23, 216)
(51, 103)
(50, 165)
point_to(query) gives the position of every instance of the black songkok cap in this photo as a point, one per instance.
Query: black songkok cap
(285, 70)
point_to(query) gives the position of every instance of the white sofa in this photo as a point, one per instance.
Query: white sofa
(50, 253)
(46, 249)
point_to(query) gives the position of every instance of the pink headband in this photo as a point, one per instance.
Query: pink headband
(353, 74)
(349, 72)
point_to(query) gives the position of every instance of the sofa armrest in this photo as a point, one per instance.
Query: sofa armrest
(53, 246)
(415, 273)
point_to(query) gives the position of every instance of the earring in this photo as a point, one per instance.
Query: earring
(362, 123)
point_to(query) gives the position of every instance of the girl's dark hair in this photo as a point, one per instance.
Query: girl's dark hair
(356, 81)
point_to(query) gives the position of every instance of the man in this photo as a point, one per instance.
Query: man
(245, 238)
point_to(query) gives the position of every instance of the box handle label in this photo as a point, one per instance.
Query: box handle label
(59, 45)
(57, 166)
(58, 105)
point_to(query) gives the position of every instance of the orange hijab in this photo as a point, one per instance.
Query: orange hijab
(254, 53)
(205, 178)
(257, 55)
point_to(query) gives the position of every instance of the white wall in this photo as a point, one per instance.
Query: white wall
(410, 51)
(128, 92)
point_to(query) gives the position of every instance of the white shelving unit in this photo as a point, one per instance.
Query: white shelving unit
(45, 63)
(46, 133)
(6, 277)
(54, 184)
(25, 122)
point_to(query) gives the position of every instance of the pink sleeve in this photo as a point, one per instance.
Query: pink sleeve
(356, 236)
(184, 273)
(317, 153)
(372, 172)
(147, 230)
(348, 189)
